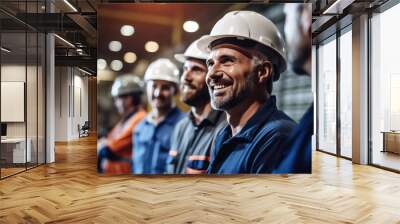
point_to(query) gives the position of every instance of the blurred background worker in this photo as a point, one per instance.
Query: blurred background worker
(247, 55)
(115, 152)
(297, 158)
(152, 136)
(193, 136)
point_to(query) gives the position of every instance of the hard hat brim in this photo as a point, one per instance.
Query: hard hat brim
(180, 57)
(206, 41)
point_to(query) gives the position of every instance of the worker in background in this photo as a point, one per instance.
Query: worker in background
(152, 136)
(194, 134)
(297, 157)
(247, 55)
(115, 152)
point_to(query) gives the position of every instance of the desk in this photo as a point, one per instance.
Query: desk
(391, 141)
(16, 147)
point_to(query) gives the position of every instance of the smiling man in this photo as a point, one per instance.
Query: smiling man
(194, 135)
(247, 55)
(152, 135)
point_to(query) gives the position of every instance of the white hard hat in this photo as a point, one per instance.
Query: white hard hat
(192, 52)
(249, 25)
(126, 84)
(162, 69)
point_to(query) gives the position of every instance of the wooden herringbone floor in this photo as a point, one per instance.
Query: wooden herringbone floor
(70, 191)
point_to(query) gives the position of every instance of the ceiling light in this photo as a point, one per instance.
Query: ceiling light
(190, 26)
(5, 50)
(115, 46)
(70, 5)
(116, 65)
(101, 64)
(130, 57)
(127, 30)
(64, 40)
(151, 46)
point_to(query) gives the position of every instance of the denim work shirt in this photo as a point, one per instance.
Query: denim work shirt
(257, 147)
(152, 143)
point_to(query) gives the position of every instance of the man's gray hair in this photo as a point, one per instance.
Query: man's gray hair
(259, 59)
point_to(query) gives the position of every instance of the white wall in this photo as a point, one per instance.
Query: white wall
(61, 103)
(33, 126)
(80, 101)
(71, 94)
(12, 73)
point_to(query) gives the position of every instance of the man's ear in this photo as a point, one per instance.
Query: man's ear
(264, 72)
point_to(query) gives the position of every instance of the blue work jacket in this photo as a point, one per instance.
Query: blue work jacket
(257, 147)
(297, 152)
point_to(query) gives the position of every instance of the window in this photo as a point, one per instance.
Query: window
(346, 93)
(385, 89)
(327, 96)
